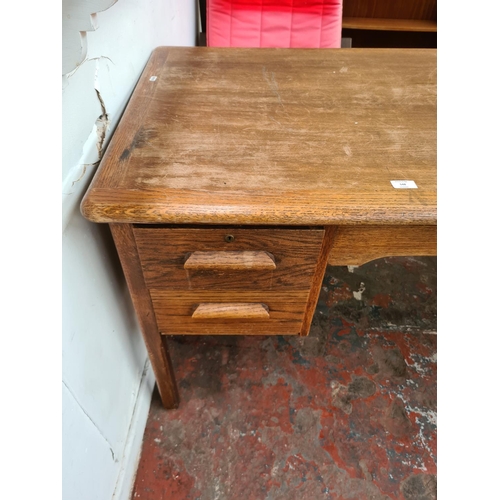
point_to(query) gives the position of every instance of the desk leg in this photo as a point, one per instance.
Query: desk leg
(317, 279)
(123, 236)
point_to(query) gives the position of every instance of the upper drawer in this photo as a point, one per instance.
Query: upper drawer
(228, 258)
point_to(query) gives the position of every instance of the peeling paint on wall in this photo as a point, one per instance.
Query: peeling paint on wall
(102, 123)
(103, 57)
(100, 129)
(78, 18)
(102, 126)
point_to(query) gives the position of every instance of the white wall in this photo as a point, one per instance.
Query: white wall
(106, 381)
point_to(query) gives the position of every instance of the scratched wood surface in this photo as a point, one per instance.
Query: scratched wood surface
(274, 136)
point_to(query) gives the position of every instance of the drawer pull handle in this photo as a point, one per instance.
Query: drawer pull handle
(231, 310)
(235, 261)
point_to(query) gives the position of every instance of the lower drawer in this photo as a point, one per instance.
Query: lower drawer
(254, 313)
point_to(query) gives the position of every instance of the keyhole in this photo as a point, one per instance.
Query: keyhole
(229, 238)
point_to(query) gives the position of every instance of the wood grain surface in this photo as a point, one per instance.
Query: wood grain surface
(237, 261)
(231, 310)
(370, 23)
(317, 280)
(155, 344)
(356, 245)
(163, 253)
(274, 136)
(174, 312)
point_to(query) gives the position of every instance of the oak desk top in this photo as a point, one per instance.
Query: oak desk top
(274, 136)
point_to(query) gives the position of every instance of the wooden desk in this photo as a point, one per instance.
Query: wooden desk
(235, 175)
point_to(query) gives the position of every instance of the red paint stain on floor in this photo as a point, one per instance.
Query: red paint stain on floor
(346, 413)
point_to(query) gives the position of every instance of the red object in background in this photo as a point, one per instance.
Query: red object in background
(274, 23)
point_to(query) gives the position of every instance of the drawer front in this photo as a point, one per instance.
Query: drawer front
(228, 259)
(229, 313)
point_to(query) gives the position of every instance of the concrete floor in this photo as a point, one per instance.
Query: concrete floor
(346, 413)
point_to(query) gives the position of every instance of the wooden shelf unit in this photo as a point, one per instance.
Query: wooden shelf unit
(382, 24)
(415, 16)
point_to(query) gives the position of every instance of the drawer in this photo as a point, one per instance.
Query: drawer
(229, 313)
(235, 258)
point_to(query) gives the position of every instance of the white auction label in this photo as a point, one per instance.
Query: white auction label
(404, 184)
